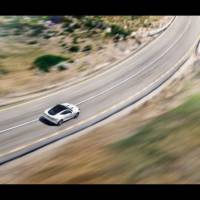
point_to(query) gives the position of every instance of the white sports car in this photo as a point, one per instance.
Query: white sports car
(61, 112)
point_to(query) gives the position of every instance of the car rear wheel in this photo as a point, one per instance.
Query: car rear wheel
(60, 122)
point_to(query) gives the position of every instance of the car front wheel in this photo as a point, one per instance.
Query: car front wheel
(77, 114)
(60, 122)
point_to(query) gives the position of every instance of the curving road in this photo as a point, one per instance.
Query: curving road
(21, 131)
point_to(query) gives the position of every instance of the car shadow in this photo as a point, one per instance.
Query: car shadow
(46, 122)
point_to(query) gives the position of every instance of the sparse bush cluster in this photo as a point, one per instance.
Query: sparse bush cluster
(116, 29)
(134, 17)
(36, 30)
(74, 48)
(49, 33)
(61, 68)
(75, 40)
(78, 29)
(94, 22)
(31, 42)
(71, 23)
(45, 62)
(87, 48)
(20, 25)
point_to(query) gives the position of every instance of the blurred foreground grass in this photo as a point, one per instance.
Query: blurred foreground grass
(166, 149)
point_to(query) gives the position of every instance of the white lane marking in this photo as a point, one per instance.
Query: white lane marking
(84, 81)
(120, 83)
(14, 127)
(140, 71)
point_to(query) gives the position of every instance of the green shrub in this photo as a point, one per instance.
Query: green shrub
(75, 25)
(3, 71)
(12, 25)
(67, 22)
(45, 62)
(32, 42)
(61, 68)
(3, 56)
(116, 38)
(17, 32)
(45, 18)
(134, 17)
(74, 48)
(70, 60)
(47, 36)
(147, 23)
(36, 30)
(69, 29)
(89, 22)
(87, 48)
(61, 33)
(93, 23)
(78, 16)
(63, 45)
(115, 29)
(75, 40)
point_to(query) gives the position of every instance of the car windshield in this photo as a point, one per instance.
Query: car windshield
(55, 110)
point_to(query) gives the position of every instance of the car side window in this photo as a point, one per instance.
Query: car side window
(65, 112)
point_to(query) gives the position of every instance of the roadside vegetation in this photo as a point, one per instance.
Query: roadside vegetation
(87, 41)
(45, 62)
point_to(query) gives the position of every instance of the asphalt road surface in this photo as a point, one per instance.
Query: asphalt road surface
(22, 131)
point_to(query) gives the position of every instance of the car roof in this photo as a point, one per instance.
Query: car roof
(57, 109)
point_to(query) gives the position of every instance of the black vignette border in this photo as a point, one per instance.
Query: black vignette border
(100, 7)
